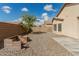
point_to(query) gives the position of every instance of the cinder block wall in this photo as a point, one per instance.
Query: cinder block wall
(12, 45)
(42, 29)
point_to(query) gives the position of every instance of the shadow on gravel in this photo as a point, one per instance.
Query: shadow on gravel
(28, 39)
(38, 32)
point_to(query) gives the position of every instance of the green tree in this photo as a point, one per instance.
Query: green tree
(28, 22)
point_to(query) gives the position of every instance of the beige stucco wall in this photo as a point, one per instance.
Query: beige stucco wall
(70, 23)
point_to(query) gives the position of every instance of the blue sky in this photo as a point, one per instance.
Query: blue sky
(14, 11)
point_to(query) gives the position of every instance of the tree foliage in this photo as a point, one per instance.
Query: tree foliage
(28, 22)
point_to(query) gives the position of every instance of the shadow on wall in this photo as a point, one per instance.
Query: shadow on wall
(1, 44)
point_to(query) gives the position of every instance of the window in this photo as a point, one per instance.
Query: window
(55, 27)
(60, 27)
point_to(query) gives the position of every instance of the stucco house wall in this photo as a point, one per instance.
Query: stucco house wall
(70, 25)
(70, 14)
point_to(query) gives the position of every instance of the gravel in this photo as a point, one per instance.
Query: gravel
(41, 45)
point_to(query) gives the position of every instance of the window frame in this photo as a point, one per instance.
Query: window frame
(55, 27)
(59, 27)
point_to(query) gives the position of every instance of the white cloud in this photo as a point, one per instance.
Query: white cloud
(42, 21)
(6, 9)
(45, 16)
(49, 8)
(39, 22)
(18, 20)
(24, 9)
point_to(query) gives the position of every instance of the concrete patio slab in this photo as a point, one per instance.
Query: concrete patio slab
(69, 43)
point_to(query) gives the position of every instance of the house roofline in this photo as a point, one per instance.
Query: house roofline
(61, 9)
(56, 18)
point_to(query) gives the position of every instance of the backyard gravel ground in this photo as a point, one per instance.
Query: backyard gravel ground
(42, 44)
